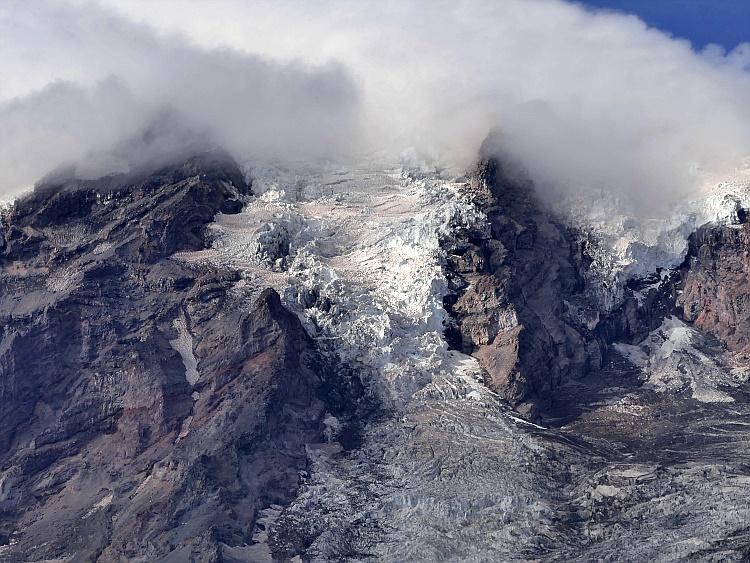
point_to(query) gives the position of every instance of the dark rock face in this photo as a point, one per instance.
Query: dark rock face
(144, 415)
(515, 313)
(523, 304)
(716, 286)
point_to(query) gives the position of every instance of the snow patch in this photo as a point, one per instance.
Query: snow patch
(103, 503)
(183, 344)
(65, 280)
(674, 359)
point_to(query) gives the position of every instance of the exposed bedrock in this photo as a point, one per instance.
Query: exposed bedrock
(715, 294)
(524, 302)
(146, 412)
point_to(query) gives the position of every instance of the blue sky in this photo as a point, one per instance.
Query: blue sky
(726, 22)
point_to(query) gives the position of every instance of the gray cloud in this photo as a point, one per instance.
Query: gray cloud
(583, 99)
(121, 93)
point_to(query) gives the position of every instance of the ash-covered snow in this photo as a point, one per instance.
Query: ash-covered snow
(676, 358)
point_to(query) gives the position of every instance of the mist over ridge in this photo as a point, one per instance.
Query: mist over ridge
(585, 100)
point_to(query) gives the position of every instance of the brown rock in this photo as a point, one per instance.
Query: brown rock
(716, 285)
(107, 451)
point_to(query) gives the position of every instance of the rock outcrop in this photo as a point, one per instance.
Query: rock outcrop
(524, 302)
(715, 294)
(516, 311)
(145, 414)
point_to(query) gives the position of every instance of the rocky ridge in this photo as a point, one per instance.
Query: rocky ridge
(337, 369)
(144, 416)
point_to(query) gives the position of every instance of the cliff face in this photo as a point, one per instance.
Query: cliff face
(142, 410)
(715, 294)
(335, 372)
(515, 315)
(524, 303)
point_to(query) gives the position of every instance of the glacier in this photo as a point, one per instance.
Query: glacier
(356, 250)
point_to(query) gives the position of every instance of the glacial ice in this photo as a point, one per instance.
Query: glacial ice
(354, 249)
(626, 244)
(355, 252)
(183, 344)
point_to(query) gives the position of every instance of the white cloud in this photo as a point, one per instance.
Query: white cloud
(582, 98)
(100, 88)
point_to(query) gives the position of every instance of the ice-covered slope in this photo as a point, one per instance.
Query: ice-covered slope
(356, 252)
(442, 469)
(627, 241)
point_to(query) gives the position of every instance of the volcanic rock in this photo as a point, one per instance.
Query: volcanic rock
(144, 414)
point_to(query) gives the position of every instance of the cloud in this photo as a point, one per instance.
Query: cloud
(108, 93)
(583, 99)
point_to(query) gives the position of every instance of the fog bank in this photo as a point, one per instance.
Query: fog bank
(583, 99)
(88, 86)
